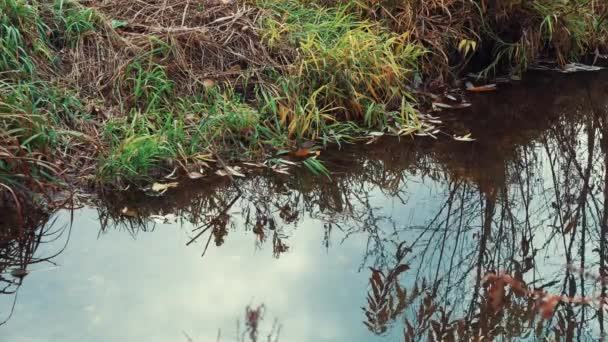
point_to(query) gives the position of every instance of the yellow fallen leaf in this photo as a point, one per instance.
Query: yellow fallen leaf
(162, 187)
(466, 137)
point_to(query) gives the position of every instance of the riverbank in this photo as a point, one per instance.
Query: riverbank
(111, 93)
(525, 203)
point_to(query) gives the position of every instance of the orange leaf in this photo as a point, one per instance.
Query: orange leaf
(302, 152)
(481, 89)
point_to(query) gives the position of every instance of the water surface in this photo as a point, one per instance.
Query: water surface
(396, 246)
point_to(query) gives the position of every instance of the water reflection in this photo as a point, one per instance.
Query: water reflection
(423, 223)
(20, 241)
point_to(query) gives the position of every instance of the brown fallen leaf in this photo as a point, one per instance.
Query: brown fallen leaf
(480, 89)
(128, 212)
(302, 152)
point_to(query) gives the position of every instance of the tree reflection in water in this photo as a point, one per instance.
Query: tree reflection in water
(526, 199)
(20, 240)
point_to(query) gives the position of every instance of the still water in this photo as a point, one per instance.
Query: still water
(397, 246)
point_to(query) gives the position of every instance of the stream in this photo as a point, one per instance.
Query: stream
(410, 240)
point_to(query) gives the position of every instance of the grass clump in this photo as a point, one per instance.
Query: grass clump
(339, 76)
(507, 35)
(183, 134)
(129, 91)
(341, 68)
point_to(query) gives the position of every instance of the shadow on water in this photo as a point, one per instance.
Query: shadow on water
(444, 222)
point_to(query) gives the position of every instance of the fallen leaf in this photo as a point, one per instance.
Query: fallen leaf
(287, 162)
(128, 212)
(195, 175)
(254, 164)
(450, 106)
(162, 187)
(464, 138)
(441, 105)
(303, 152)
(230, 171)
(480, 89)
(236, 171)
(281, 170)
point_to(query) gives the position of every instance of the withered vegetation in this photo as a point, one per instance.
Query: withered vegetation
(109, 93)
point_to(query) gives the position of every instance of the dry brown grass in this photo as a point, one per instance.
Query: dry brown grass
(509, 35)
(195, 42)
(357, 67)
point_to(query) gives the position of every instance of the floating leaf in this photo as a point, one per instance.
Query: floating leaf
(466, 137)
(162, 187)
(281, 170)
(440, 105)
(303, 152)
(480, 89)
